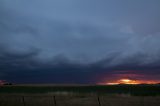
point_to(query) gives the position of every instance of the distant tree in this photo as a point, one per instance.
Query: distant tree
(3, 82)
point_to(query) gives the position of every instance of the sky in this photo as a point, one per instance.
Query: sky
(79, 41)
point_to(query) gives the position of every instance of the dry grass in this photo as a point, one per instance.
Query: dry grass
(77, 100)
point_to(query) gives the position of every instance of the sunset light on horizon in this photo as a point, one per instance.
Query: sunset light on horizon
(129, 82)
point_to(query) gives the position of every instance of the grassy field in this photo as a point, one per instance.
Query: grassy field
(48, 95)
(78, 100)
(135, 90)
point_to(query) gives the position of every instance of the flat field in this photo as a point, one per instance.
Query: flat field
(49, 95)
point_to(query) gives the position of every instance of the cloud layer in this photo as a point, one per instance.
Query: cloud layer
(106, 34)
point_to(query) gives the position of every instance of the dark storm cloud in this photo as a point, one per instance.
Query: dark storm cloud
(93, 36)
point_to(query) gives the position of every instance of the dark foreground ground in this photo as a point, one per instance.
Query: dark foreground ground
(134, 90)
(119, 95)
(78, 100)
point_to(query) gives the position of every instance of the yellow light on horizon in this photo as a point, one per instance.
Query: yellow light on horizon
(128, 81)
(112, 83)
(124, 81)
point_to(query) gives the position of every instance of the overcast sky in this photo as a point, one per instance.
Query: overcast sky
(79, 41)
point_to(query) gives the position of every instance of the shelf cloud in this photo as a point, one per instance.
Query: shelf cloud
(90, 37)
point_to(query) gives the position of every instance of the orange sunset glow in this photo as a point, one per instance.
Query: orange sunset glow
(130, 81)
(124, 81)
